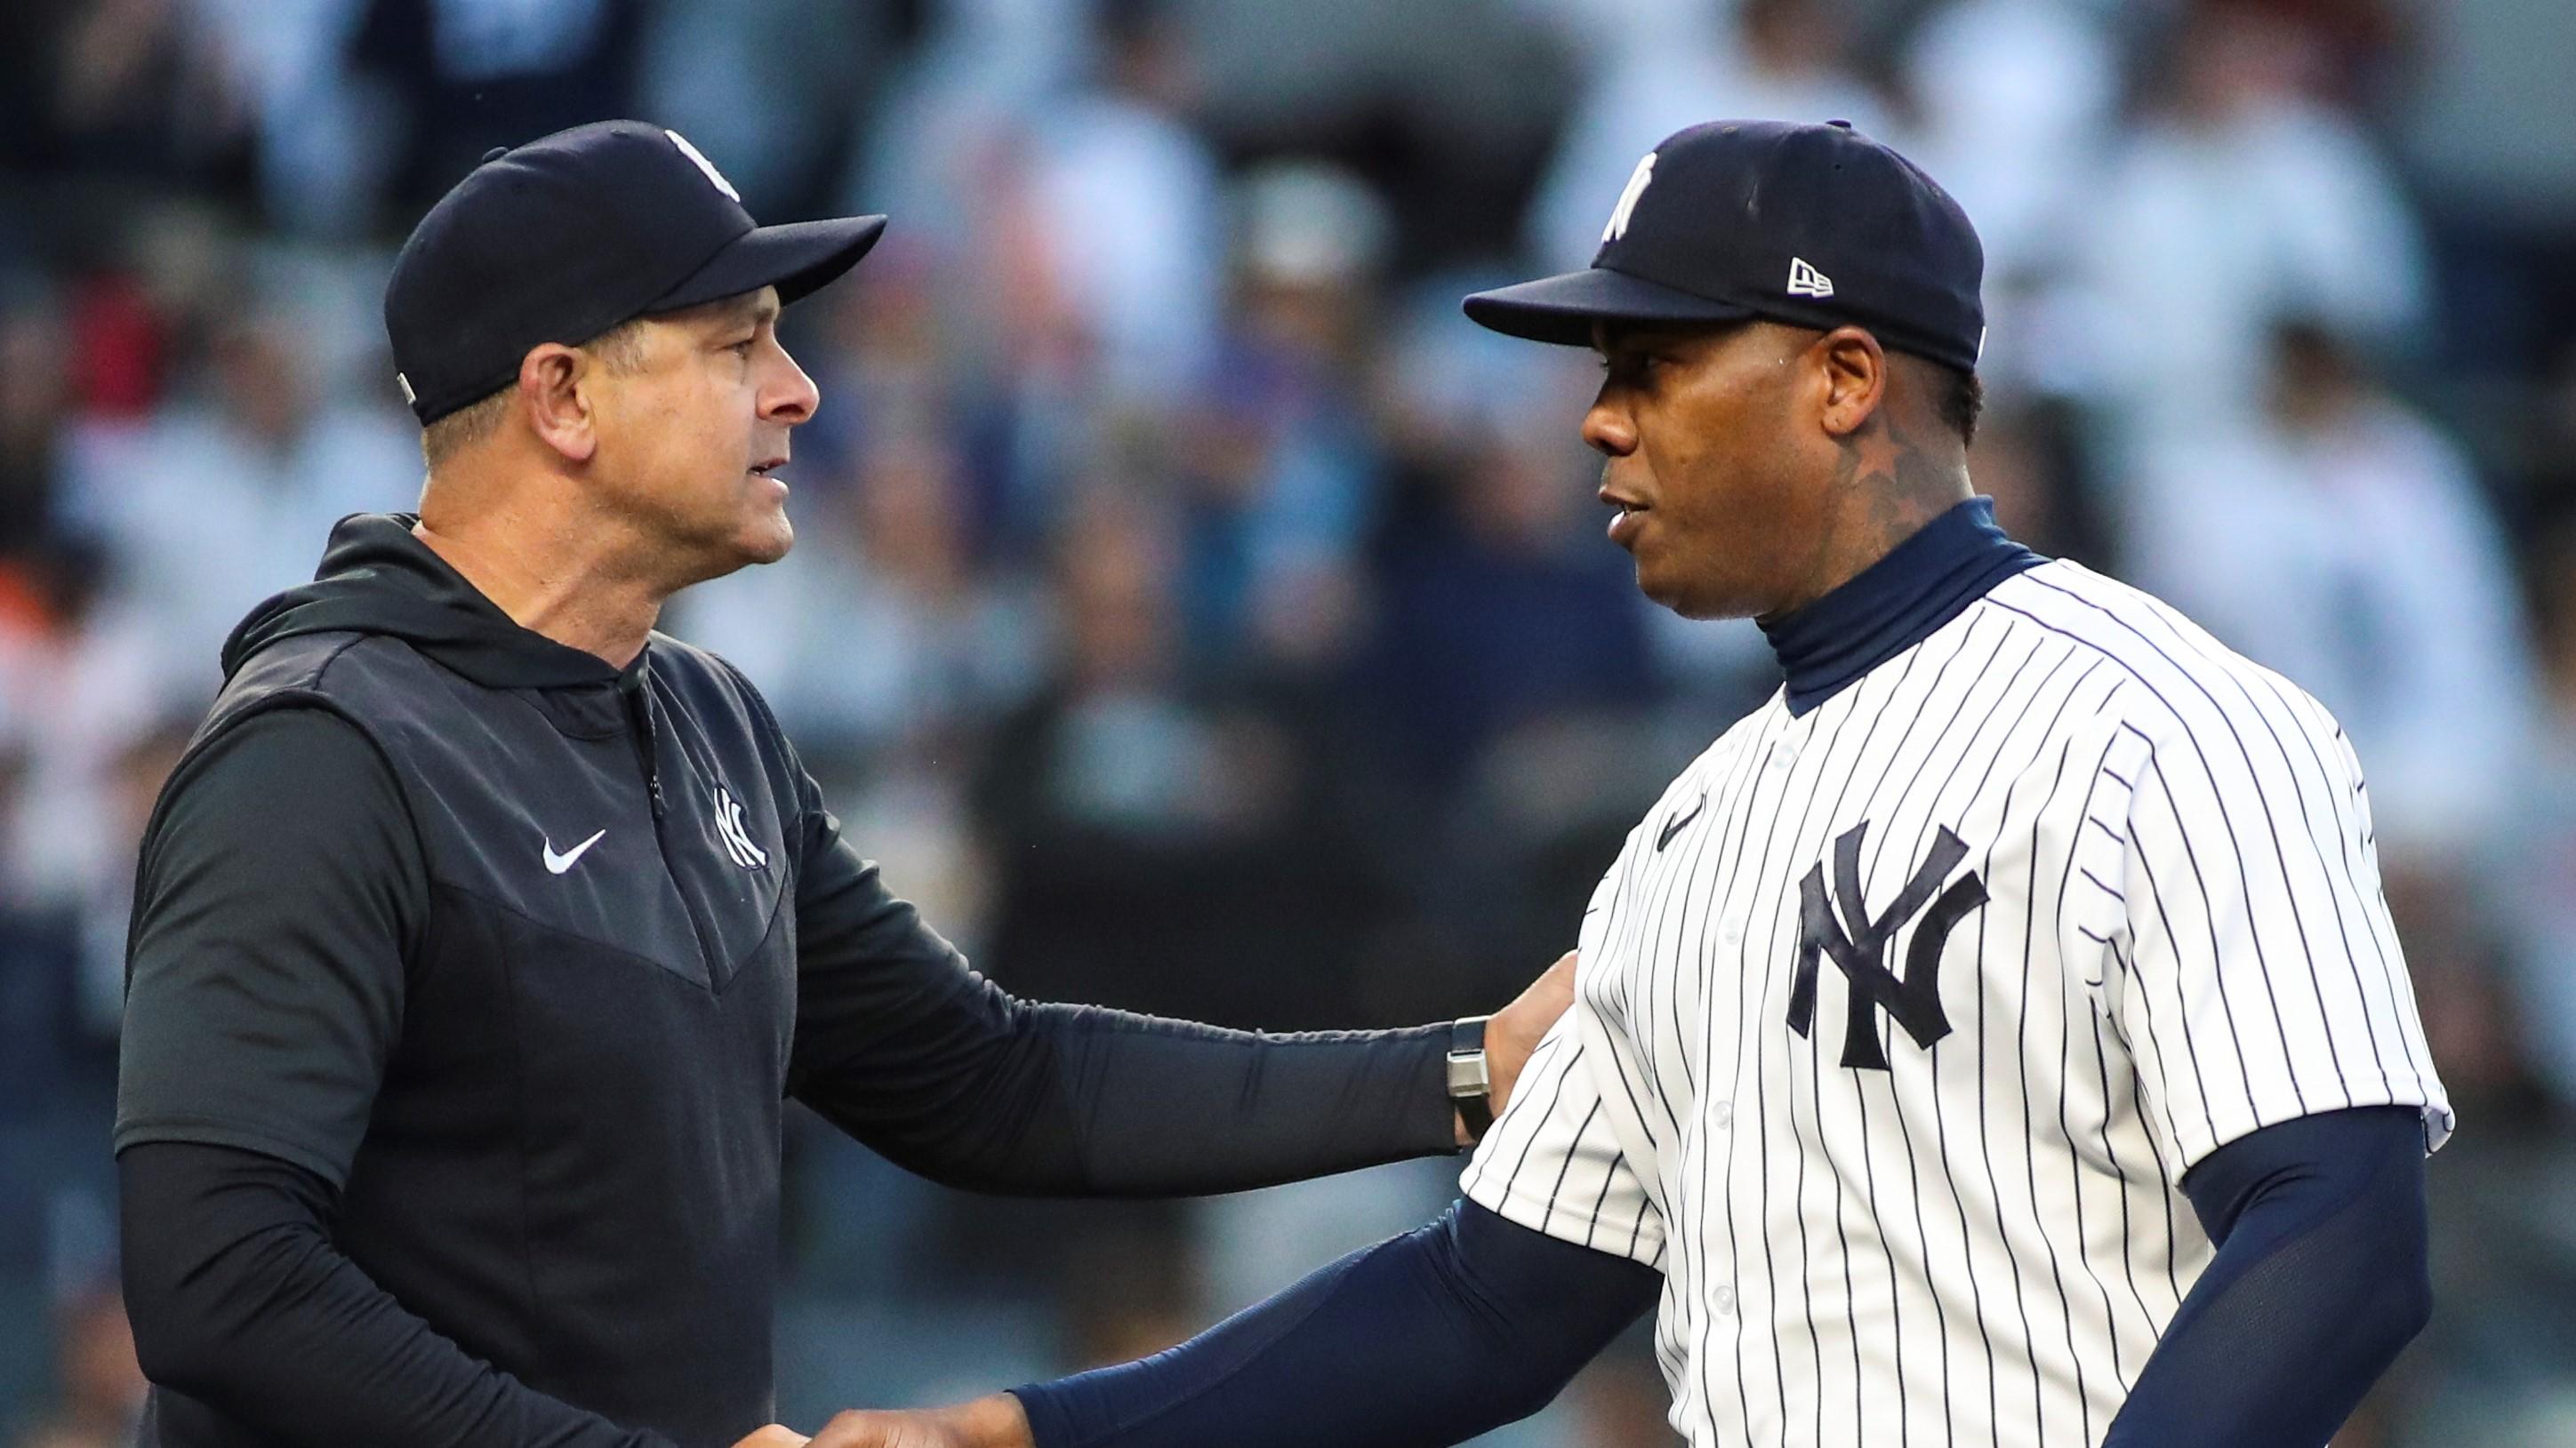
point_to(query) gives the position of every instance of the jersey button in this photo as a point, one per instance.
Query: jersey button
(1723, 1113)
(1783, 754)
(1732, 931)
(1726, 1301)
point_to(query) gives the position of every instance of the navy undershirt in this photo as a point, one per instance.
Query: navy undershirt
(1895, 603)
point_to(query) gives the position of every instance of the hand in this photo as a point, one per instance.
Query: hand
(994, 1422)
(1515, 1030)
(774, 1436)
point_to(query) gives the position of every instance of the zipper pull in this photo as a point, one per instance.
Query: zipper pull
(639, 707)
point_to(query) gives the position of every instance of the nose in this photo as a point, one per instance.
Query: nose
(1608, 429)
(789, 396)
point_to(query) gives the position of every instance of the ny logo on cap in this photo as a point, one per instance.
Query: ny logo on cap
(1637, 180)
(703, 164)
(1806, 281)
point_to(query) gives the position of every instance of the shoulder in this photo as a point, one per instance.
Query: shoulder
(309, 691)
(299, 748)
(351, 673)
(2176, 679)
(2189, 710)
(289, 797)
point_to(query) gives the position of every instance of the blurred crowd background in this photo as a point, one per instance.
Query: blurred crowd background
(1198, 615)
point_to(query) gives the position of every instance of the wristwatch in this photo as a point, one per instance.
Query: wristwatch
(1471, 1085)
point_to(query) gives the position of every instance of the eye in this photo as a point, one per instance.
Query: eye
(1631, 367)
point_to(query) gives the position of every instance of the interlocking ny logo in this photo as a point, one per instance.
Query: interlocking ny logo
(730, 829)
(1915, 1001)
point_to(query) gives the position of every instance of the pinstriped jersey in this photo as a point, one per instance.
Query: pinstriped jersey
(1899, 1021)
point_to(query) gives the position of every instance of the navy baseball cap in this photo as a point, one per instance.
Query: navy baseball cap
(566, 237)
(1815, 226)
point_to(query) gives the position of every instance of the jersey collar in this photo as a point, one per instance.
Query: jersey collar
(1895, 603)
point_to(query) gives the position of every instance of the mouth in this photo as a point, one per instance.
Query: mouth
(1629, 516)
(767, 468)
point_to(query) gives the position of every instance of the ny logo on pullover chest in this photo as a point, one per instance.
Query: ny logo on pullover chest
(1859, 945)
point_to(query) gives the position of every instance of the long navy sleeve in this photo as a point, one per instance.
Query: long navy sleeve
(1429, 1338)
(903, 1046)
(2319, 1280)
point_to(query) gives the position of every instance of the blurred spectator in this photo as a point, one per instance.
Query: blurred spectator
(2528, 871)
(2188, 271)
(776, 87)
(1125, 197)
(2340, 539)
(1786, 59)
(224, 495)
(2488, 131)
(464, 76)
(1281, 471)
(1160, 842)
(91, 663)
(33, 395)
(1500, 607)
(320, 149)
(2010, 104)
(97, 1399)
(120, 91)
(2031, 458)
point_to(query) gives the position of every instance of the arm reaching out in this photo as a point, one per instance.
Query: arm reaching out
(901, 1045)
(1429, 1338)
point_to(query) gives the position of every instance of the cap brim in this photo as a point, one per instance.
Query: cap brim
(1563, 309)
(798, 258)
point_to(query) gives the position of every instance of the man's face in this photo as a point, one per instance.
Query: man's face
(1712, 475)
(691, 435)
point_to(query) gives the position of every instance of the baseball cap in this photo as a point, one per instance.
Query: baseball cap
(1815, 226)
(568, 236)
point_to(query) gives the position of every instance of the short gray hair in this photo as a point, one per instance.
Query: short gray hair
(620, 349)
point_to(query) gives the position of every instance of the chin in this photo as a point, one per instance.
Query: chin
(1690, 603)
(1663, 592)
(768, 541)
(765, 541)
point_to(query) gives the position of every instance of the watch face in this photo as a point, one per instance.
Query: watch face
(1468, 1076)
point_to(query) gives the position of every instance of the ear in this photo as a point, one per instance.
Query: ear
(1855, 378)
(552, 382)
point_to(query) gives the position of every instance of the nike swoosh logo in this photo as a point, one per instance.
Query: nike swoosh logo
(557, 864)
(1674, 825)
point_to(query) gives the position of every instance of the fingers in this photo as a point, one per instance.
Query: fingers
(856, 1429)
(993, 1422)
(774, 1436)
(1515, 1030)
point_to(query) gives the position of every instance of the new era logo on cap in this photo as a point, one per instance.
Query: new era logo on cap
(1806, 281)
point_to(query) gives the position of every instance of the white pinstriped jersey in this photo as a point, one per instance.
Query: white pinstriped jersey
(1899, 1022)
